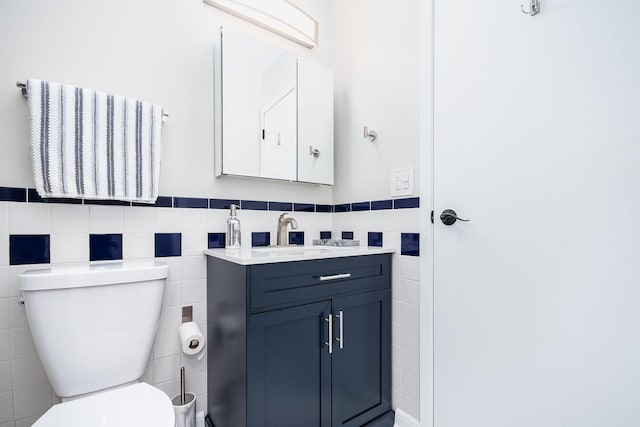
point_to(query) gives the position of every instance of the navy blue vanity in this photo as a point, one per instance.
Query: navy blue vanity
(299, 341)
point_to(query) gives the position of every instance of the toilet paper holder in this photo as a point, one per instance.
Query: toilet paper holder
(187, 314)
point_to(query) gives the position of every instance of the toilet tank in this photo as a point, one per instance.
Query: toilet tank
(94, 325)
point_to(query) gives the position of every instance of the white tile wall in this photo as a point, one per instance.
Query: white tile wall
(24, 390)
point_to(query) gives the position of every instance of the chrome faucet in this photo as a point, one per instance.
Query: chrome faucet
(282, 229)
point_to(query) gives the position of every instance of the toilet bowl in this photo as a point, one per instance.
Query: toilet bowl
(138, 405)
(94, 326)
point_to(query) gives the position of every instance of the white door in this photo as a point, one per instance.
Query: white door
(537, 142)
(279, 143)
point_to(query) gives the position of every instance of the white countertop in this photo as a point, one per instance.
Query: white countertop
(269, 255)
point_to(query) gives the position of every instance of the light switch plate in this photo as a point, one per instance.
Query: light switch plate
(402, 181)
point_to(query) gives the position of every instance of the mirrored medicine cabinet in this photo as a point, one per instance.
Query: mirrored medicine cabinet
(274, 112)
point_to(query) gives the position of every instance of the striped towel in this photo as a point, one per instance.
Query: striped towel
(91, 145)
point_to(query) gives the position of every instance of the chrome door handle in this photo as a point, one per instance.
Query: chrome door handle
(314, 152)
(340, 339)
(335, 277)
(449, 217)
(330, 343)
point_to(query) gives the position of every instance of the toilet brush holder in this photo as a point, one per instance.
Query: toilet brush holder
(185, 412)
(184, 405)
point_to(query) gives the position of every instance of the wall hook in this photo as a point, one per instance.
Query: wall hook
(371, 135)
(534, 8)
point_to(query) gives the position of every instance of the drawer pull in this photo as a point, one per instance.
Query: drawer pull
(335, 277)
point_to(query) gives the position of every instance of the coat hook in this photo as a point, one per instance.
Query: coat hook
(534, 8)
(371, 135)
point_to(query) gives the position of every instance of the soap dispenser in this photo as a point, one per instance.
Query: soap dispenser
(233, 229)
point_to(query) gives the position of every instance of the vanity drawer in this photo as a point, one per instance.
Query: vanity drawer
(301, 281)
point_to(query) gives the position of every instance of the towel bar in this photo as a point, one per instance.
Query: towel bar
(23, 88)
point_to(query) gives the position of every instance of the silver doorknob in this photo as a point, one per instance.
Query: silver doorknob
(449, 217)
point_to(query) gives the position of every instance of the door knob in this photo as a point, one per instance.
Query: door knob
(449, 217)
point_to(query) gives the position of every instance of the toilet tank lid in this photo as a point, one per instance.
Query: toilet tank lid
(92, 274)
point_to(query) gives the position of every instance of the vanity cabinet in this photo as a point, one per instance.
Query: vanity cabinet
(305, 343)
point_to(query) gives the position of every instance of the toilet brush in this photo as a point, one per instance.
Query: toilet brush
(182, 386)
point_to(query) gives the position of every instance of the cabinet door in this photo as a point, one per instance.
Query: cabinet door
(361, 368)
(289, 367)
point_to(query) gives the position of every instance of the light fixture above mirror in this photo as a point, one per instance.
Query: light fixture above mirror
(279, 16)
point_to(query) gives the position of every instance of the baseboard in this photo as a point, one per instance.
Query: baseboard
(405, 420)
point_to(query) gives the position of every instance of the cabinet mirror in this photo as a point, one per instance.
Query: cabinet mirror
(274, 112)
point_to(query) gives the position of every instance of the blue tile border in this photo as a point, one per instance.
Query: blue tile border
(168, 244)
(347, 235)
(377, 205)
(410, 244)
(29, 249)
(223, 203)
(325, 234)
(216, 240)
(12, 194)
(280, 206)
(29, 195)
(324, 208)
(105, 247)
(412, 202)
(259, 238)
(344, 207)
(190, 202)
(360, 206)
(304, 207)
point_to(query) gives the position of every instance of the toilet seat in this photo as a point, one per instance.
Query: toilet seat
(137, 405)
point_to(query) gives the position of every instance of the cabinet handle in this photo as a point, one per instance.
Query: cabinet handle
(340, 339)
(330, 343)
(335, 277)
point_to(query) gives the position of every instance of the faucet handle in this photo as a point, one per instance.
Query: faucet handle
(282, 216)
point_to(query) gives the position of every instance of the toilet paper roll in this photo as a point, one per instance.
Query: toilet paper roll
(191, 338)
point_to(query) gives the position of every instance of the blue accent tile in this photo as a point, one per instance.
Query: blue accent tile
(12, 194)
(223, 203)
(104, 247)
(29, 249)
(168, 244)
(107, 202)
(161, 202)
(378, 205)
(324, 208)
(260, 238)
(411, 202)
(325, 234)
(190, 202)
(216, 240)
(303, 207)
(344, 207)
(360, 206)
(254, 205)
(375, 238)
(296, 237)
(34, 197)
(280, 206)
(410, 244)
(347, 235)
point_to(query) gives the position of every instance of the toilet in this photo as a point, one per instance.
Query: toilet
(94, 326)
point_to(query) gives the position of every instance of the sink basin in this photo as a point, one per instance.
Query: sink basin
(297, 250)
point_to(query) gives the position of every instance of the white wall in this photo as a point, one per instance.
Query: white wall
(376, 65)
(159, 51)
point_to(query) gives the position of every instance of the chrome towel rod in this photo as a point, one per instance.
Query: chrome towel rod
(23, 88)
